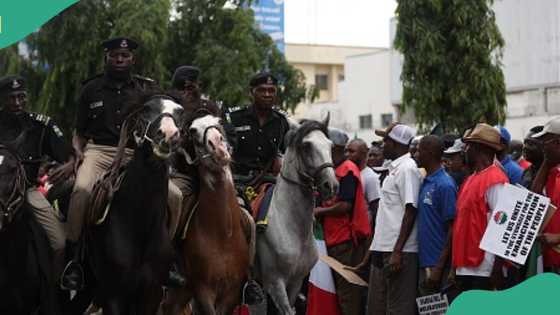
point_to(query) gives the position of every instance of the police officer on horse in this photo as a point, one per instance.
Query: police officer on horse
(104, 103)
(256, 134)
(35, 137)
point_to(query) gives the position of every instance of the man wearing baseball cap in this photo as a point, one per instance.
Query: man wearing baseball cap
(513, 170)
(454, 162)
(477, 198)
(395, 246)
(547, 181)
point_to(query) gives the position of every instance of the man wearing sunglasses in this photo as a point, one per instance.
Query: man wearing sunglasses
(35, 136)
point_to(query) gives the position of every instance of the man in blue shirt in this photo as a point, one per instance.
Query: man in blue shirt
(436, 211)
(513, 171)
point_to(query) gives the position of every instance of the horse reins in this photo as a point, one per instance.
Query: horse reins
(309, 177)
(9, 207)
(202, 153)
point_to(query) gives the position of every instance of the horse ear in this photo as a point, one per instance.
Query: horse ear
(327, 119)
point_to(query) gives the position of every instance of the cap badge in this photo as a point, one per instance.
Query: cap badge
(15, 84)
(124, 43)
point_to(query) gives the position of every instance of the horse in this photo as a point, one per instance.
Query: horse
(285, 251)
(130, 252)
(26, 261)
(215, 249)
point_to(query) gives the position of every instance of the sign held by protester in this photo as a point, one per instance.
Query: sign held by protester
(435, 304)
(515, 223)
(345, 273)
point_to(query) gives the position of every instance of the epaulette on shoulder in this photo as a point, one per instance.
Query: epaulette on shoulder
(40, 118)
(281, 112)
(86, 81)
(235, 109)
(142, 78)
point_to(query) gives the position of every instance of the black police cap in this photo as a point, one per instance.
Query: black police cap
(12, 83)
(263, 78)
(183, 74)
(119, 43)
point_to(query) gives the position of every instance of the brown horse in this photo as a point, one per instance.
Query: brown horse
(215, 250)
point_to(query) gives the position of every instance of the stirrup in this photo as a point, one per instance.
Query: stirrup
(253, 294)
(72, 277)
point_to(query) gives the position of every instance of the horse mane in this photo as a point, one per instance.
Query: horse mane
(307, 126)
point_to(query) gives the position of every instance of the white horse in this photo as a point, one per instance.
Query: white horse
(286, 249)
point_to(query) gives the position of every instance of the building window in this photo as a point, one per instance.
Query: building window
(386, 120)
(322, 81)
(340, 77)
(365, 122)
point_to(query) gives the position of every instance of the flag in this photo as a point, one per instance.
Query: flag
(321, 294)
(534, 261)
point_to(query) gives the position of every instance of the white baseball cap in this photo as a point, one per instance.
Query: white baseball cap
(552, 126)
(400, 133)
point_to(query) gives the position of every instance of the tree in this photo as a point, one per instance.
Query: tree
(225, 44)
(452, 62)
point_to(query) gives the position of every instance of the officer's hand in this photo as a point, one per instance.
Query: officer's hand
(61, 173)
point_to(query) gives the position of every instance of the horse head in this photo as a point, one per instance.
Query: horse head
(207, 143)
(12, 185)
(157, 123)
(309, 157)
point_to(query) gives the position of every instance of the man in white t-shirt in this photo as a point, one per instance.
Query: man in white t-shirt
(394, 246)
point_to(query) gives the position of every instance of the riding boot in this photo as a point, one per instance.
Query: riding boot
(72, 277)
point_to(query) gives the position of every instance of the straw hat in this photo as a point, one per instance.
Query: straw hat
(484, 134)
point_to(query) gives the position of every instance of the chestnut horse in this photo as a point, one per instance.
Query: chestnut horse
(215, 249)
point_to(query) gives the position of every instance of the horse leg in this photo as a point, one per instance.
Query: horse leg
(176, 301)
(277, 291)
(116, 306)
(204, 302)
(151, 299)
(293, 290)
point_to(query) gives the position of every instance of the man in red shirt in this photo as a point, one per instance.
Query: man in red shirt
(345, 222)
(477, 197)
(547, 181)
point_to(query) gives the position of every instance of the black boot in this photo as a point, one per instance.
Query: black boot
(72, 277)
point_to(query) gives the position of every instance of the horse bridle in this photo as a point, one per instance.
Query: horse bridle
(309, 178)
(200, 150)
(9, 207)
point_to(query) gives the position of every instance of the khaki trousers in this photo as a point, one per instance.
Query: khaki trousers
(181, 196)
(348, 294)
(97, 160)
(49, 219)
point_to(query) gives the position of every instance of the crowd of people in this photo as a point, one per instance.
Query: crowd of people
(429, 199)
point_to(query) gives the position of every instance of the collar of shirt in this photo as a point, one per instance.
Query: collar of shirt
(506, 160)
(253, 113)
(399, 161)
(435, 174)
(114, 84)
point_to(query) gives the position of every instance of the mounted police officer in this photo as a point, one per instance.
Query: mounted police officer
(256, 134)
(187, 90)
(35, 136)
(104, 103)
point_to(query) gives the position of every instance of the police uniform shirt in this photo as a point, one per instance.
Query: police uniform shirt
(254, 145)
(42, 138)
(104, 105)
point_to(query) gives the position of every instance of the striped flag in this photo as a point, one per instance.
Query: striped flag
(321, 294)
(534, 261)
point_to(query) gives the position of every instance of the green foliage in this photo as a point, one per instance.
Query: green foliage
(452, 62)
(226, 46)
(223, 42)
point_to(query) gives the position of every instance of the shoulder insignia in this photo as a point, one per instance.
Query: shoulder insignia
(232, 109)
(281, 112)
(57, 131)
(40, 118)
(141, 78)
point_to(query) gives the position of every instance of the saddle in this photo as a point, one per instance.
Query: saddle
(259, 205)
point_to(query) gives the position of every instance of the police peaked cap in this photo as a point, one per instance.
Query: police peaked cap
(183, 74)
(119, 43)
(263, 78)
(11, 83)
